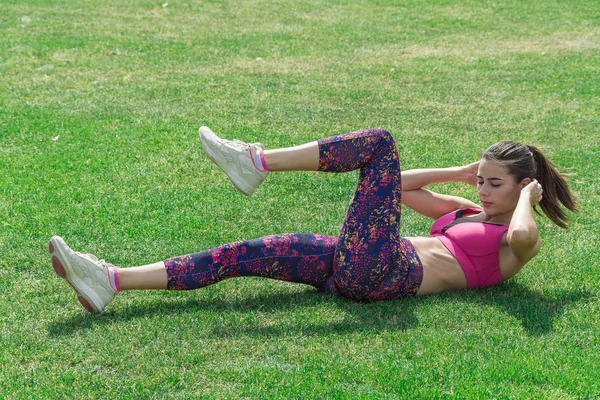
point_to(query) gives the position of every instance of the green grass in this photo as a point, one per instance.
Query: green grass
(124, 86)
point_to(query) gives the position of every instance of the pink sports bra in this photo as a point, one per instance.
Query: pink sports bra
(474, 244)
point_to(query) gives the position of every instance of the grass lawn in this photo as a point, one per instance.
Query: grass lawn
(100, 102)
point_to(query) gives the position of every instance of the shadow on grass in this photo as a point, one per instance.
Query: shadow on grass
(536, 311)
(349, 316)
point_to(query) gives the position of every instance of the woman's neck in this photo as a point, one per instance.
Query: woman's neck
(502, 219)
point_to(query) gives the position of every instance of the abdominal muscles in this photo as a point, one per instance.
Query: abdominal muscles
(441, 271)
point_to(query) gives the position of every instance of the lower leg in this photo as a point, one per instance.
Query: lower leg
(152, 276)
(356, 150)
(341, 153)
(298, 158)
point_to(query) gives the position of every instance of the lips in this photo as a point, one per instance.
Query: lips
(486, 203)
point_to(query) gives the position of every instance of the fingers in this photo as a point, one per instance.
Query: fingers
(535, 192)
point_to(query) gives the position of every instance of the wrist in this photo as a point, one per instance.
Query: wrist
(461, 174)
(525, 196)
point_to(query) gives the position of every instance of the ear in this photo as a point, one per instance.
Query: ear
(525, 182)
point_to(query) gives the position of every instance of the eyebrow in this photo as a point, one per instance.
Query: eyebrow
(490, 179)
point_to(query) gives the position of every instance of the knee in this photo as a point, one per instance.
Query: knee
(383, 133)
(384, 136)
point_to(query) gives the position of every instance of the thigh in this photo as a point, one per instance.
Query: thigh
(370, 243)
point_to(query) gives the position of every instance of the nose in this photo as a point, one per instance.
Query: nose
(482, 192)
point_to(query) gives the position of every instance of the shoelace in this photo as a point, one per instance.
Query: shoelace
(241, 145)
(106, 264)
(93, 258)
(238, 144)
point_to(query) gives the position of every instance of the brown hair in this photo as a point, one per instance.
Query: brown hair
(529, 162)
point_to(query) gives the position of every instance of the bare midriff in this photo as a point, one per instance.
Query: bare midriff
(441, 271)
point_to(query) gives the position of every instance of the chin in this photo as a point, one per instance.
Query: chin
(490, 210)
(494, 211)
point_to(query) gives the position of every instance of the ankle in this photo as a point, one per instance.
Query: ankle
(257, 156)
(113, 278)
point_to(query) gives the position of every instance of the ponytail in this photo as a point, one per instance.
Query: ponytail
(555, 189)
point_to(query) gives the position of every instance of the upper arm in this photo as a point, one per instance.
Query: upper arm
(432, 204)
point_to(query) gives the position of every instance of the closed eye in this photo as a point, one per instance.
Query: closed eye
(491, 184)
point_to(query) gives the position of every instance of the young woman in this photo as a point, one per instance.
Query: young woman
(468, 246)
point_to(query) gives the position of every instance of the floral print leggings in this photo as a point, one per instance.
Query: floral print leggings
(369, 260)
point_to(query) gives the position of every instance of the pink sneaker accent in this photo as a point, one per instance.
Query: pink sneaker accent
(85, 304)
(113, 278)
(257, 157)
(58, 268)
(264, 162)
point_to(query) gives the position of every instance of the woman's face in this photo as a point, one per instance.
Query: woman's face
(498, 191)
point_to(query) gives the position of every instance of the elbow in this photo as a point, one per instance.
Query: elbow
(524, 242)
(523, 236)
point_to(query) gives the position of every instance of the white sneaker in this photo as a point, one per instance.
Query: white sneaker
(85, 273)
(235, 158)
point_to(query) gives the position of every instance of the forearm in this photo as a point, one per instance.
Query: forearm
(417, 178)
(523, 231)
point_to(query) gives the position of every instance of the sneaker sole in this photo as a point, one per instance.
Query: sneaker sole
(62, 267)
(233, 176)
